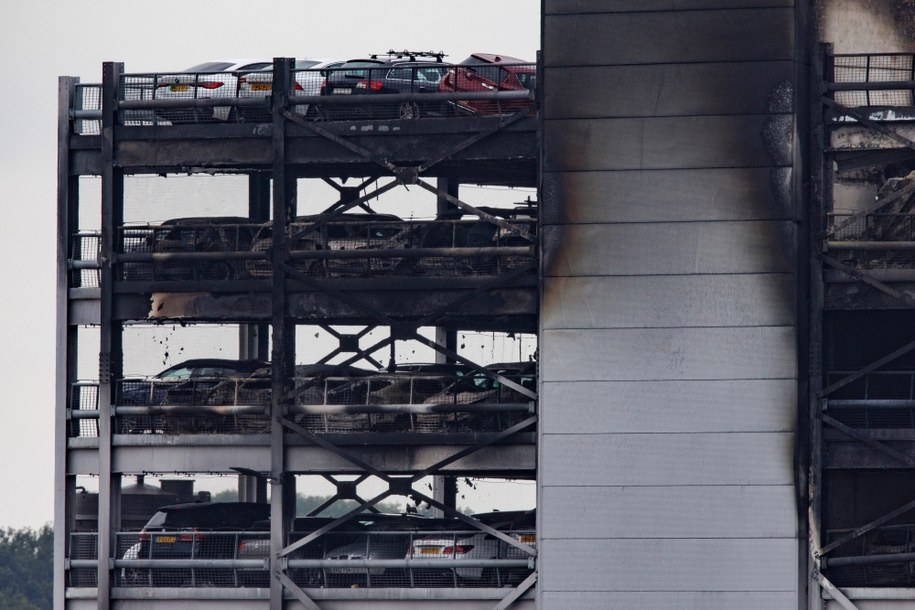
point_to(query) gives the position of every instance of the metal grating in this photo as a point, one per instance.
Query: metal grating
(874, 68)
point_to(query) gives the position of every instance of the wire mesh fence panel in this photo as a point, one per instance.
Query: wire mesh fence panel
(204, 236)
(345, 557)
(891, 395)
(84, 397)
(884, 541)
(874, 68)
(87, 98)
(83, 546)
(872, 227)
(84, 268)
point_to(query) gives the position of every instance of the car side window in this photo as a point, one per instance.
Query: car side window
(177, 374)
(400, 73)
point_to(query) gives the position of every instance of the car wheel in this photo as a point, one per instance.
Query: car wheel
(314, 113)
(134, 577)
(408, 111)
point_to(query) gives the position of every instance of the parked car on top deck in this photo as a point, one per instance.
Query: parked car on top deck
(308, 76)
(483, 72)
(212, 79)
(395, 72)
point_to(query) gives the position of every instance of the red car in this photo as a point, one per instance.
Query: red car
(488, 72)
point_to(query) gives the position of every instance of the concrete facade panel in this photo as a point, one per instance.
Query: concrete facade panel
(671, 300)
(756, 193)
(678, 512)
(669, 565)
(667, 142)
(658, 600)
(667, 354)
(665, 459)
(733, 34)
(622, 91)
(763, 405)
(669, 248)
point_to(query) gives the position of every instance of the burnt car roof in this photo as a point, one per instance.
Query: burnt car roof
(242, 365)
(204, 220)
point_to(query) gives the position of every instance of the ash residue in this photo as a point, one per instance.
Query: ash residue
(778, 130)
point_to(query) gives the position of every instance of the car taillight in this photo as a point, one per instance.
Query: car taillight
(191, 536)
(323, 85)
(459, 549)
(242, 79)
(145, 537)
(370, 85)
(210, 85)
(298, 87)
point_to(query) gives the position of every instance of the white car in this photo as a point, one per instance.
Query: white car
(213, 79)
(307, 73)
(467, 543)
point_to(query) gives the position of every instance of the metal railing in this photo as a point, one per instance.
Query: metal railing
(881, 399)
(342, 558)
(396, 402)
(883, 557)
(413, 92)
(344, 246)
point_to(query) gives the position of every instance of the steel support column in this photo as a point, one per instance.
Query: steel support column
(283, 358)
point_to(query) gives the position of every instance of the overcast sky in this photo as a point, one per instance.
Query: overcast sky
(43, 39)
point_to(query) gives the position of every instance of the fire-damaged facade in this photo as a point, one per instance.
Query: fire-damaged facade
(725, 347)
(709, 294)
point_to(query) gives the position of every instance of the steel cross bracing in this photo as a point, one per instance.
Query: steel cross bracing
(402, 486)
(823, 176)
(399, 330)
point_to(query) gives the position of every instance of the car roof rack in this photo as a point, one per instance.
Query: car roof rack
(411, 55)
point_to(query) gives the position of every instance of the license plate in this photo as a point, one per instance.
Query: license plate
(166, 539)
(261, 86)
(342, 91)
(528, 538)
(346, 570)
(179, 88)
(429, 551)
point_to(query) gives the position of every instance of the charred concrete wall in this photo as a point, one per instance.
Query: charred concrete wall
(668, 322)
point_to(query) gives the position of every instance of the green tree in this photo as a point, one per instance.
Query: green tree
(26, 568)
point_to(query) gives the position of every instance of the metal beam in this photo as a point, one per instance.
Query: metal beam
(869, 440)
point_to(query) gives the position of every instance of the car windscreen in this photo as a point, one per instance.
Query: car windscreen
(356, 69)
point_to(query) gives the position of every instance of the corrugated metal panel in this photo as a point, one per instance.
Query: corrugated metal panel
(671, 300)
(668, 565)
(676, 512)
(677, 37)
(621, 91)
(665, 459)
(765, 405)
(744, 193)
(660, 143)
(667, 353)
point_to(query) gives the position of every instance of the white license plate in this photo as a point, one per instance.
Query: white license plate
(342, 91)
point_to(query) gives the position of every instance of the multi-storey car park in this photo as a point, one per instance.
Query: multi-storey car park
(717, 270)
(466, 268)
